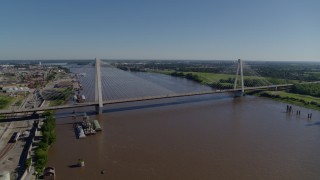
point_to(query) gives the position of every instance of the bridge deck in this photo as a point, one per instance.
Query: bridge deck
(136, 99)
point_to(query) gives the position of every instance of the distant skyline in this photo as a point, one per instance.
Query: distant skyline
(269, 30)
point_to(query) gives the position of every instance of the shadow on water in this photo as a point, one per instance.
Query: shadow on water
(65, 124)
(131, 106)
(74, 166)
(76, 134)
(313, 124)
(146, 106)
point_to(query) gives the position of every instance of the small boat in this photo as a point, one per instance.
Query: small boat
(49, 173)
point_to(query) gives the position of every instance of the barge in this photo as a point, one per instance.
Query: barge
(96, 125)
(80, 132)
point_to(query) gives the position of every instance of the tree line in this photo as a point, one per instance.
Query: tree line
(48, 137)
(307, 89)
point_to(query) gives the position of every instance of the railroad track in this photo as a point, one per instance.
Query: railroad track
(6, 149)
(5, 130)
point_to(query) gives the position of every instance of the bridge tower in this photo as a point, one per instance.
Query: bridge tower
(239, 68)
(98, 88)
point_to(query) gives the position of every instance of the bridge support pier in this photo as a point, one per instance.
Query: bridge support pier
(98, 88)
(99, 110)
(238, 94)
(239, 68)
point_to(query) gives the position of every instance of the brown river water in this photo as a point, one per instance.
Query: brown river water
(200, 137)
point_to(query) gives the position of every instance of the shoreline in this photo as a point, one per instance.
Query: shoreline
(291, 98)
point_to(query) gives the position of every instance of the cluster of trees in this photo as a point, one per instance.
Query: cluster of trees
(51, 76)
(289, 72)
(178, 74)
(229, 83)
(190, 76)
(183, 66)
(307, 89)
(9, 74)
(311, 76)
(223, 84)
(48, 137)
(193, 77)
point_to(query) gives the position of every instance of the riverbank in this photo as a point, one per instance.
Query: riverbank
(296, 99)
(223, 81)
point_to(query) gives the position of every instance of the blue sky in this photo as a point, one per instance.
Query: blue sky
(160, 29)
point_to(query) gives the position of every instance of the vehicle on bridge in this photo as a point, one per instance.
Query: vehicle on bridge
(15, 137)
(81, 99)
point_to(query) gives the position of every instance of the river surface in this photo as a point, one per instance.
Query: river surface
(119, 84)
(200, 137)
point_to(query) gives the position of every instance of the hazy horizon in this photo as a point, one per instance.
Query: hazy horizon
(92, 59)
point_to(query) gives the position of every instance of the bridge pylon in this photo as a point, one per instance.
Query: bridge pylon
(239, 71)
(98, 88)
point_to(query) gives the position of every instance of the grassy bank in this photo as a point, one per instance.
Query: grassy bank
(209, 78)
(297, 99)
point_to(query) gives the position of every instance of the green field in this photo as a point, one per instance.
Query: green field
(5, 101)
(209, 78)
(57, 102)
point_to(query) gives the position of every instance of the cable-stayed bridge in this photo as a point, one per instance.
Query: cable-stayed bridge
(110, 85)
